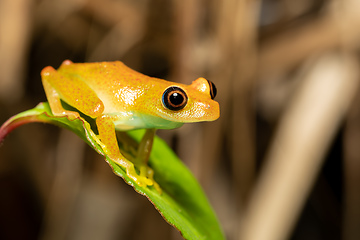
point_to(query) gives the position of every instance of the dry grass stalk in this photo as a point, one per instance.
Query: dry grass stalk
(297, 151)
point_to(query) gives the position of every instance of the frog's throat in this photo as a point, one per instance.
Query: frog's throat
(130, 121)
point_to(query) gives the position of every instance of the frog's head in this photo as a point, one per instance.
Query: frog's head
(181, 103)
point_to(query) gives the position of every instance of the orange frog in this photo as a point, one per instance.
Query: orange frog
(119, 98)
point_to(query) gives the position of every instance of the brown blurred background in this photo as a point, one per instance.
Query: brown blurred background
(283, 160)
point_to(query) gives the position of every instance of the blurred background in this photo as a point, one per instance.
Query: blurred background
(283, 160)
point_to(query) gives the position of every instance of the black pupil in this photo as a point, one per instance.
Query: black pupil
(176, 98)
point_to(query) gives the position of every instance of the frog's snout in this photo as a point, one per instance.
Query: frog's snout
(214, 111)
(208, 112)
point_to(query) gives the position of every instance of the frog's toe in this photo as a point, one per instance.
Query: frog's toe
(144, 181)
(73, 115)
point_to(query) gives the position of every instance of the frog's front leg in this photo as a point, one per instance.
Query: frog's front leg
(145, 147)
(107, 135)
(143, 155)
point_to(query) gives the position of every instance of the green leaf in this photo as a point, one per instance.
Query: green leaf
(182, 201)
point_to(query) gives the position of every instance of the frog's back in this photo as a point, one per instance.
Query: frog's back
(104, 75)
(119, 87)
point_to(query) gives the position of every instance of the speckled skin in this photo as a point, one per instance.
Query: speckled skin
(119, 97)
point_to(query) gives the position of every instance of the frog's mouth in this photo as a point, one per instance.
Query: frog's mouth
(197, 112)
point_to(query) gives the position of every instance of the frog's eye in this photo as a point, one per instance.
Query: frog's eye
(174, 98)
(213, 90)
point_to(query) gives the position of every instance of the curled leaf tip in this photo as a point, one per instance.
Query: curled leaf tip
(13, 123)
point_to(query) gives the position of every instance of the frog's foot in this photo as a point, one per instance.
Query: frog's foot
(145, 176)
(69, 114)
(149, 173)
(141, 179)
(72, 115)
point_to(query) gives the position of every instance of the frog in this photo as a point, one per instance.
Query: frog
(119, 98)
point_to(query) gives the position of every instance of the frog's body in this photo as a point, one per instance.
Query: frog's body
(119, 97)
